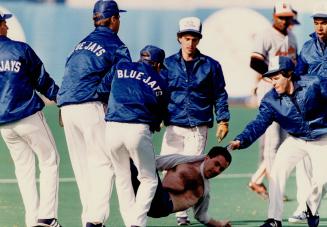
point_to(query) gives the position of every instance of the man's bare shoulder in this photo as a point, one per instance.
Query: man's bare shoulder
(191, 166)
(188, 170)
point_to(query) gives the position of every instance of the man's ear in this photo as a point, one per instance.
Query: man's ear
(158, 67)
(178, 39)
(112, 19)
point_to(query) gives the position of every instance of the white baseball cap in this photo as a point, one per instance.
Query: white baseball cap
(320, 10)
(190, 25)
(283, 9)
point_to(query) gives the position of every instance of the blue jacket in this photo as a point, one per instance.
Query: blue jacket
(137, 94)
(302, 114)
(312, 59)
(192, 99)
(91, 59)
(22, 74)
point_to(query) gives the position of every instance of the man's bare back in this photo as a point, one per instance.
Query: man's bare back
(184, 184)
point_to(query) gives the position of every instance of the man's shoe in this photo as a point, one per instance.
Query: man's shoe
(52, 222)
(312, 220)
(183, 221)
(89, 224)
(260, 189)
(271, 223)
(298, 218)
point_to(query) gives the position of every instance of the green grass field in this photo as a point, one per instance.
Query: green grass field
(231, 198)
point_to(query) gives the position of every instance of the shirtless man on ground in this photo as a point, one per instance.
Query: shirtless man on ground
(186, 184)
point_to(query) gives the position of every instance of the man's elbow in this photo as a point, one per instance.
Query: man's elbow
(258, 65)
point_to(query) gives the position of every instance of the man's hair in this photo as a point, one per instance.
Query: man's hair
(144, 57)
(320, 18)
(287, 74)
(216, 151)
(102, 22)
(180, 35)
(153, 64)
(291, 74)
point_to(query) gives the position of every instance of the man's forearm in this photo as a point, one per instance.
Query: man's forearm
(258, 65)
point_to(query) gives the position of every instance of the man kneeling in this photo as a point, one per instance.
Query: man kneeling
(186, 184)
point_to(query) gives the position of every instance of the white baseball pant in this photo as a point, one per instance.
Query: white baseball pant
(24, 138)
(125, 141)
(185, 141)
(303, 183)
(271, 140)
(84, 128)
(274, 137)
(303, 169)
(291, 152)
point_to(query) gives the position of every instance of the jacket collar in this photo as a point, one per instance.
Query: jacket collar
(317, 40)
(313, 35)
(104, 29)
(3, 37)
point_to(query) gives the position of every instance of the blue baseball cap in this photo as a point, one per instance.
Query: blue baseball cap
(278, 64)
(4, 16)
(106, 8)
(152, 53)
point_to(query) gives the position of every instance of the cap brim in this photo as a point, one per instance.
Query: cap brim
(320, 15)
(122, 11)
(190, 31)
(285, 14)
(5, 16)
(272, 73)
(296, 22)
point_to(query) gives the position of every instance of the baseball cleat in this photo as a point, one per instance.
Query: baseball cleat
(300, 218)
(312, 220)
(260, 189)
(52, 222)
(183, 221)
(271, 223)
(89, 224)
